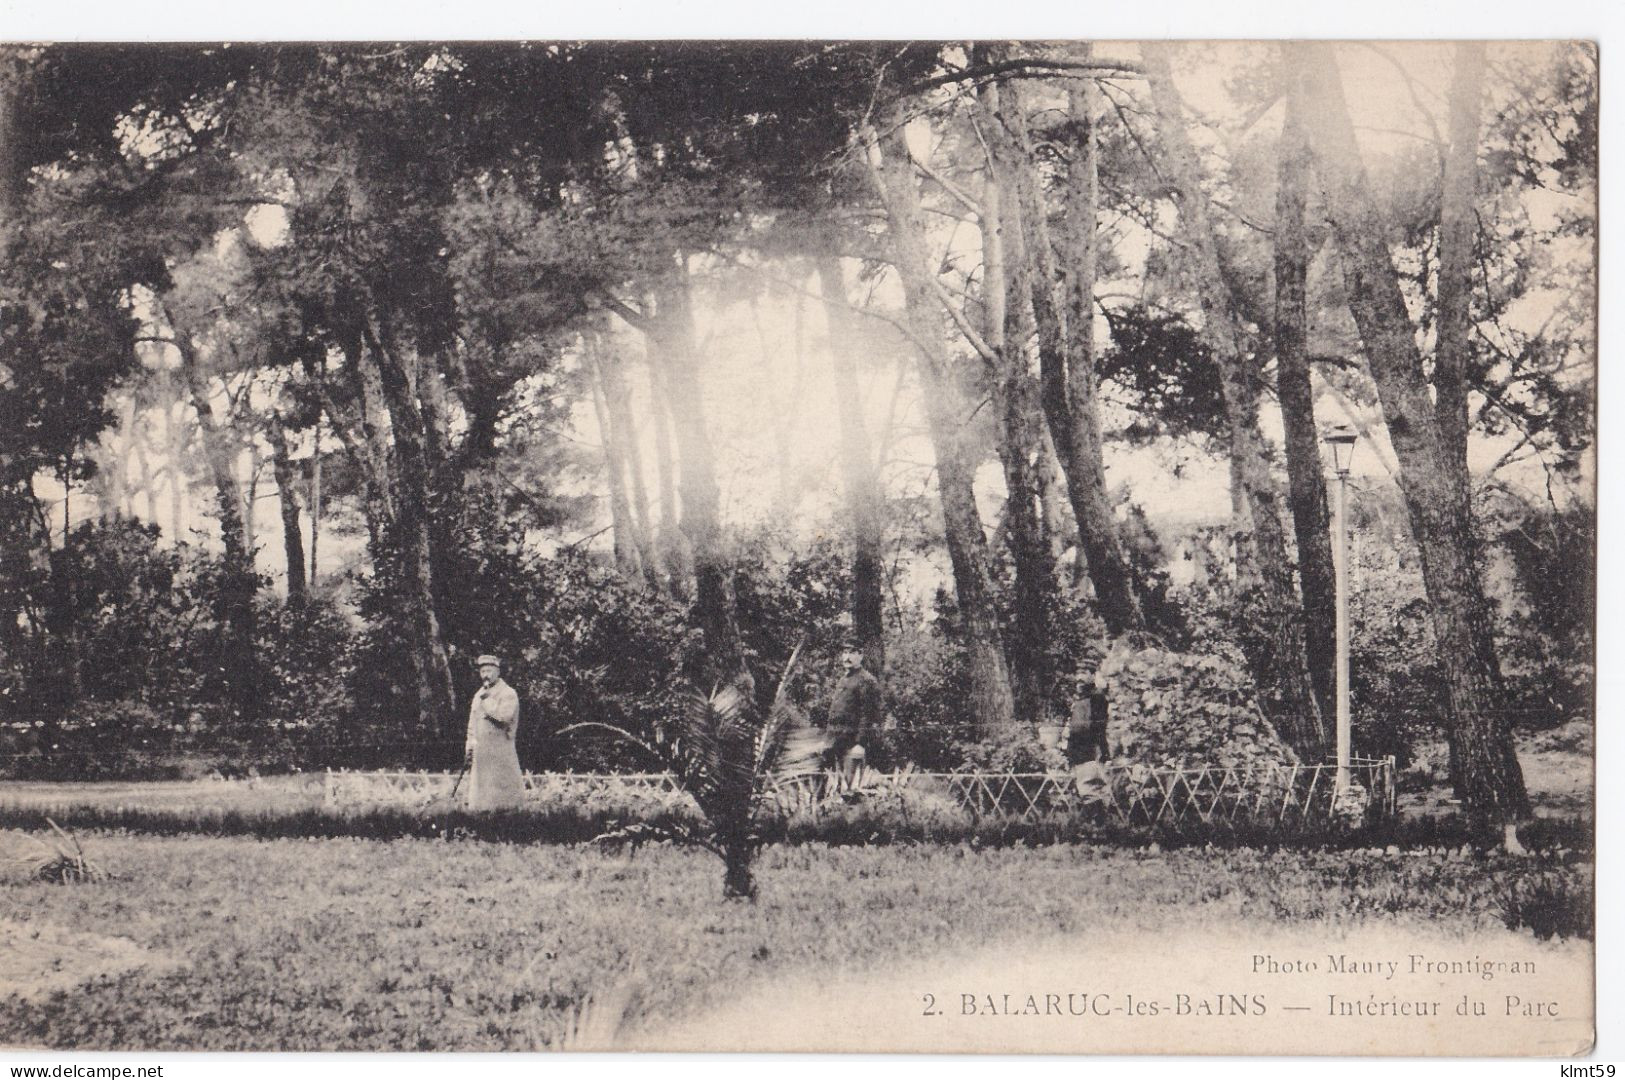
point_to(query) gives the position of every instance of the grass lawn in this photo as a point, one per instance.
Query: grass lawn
(418, 944)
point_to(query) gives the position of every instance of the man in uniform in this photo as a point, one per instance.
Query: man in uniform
(1086, 746)
(489, 753)
(854, 711)
(1086, 734)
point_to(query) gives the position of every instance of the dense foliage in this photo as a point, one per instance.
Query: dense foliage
(126, 680)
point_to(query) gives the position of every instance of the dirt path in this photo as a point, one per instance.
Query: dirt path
(40, 957)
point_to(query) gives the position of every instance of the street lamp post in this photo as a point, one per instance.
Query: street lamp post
(1341, 441)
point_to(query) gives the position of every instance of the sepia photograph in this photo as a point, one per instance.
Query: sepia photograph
(988, 546)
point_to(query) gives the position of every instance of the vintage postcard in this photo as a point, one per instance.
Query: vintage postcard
(995, 546)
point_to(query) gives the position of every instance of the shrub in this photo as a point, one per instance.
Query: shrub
(1187, 709)
(1551, 903)
(122, 676)
(1015, 751)
(1576, 736)
(103, 739)
(1548, 609)
(789, 597)
(926, 687)
(307, 653)
(114, 617)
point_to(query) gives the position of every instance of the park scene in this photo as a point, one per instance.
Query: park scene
(801, 546)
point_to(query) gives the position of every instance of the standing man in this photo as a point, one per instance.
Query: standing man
(494, 781)
(854, 711)
(1086, 734)
(1086, 748)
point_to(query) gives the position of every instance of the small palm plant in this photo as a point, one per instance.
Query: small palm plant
(725, 753)
(33, 858)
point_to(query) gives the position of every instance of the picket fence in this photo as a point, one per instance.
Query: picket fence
(1203, 796)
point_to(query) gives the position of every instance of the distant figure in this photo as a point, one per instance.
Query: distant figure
(1086, 747)
(1086, 735)
(494, 782)
(854, 711)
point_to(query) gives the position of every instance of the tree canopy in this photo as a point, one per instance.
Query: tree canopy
(947, 352)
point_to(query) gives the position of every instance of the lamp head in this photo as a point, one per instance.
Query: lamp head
(1341, 439)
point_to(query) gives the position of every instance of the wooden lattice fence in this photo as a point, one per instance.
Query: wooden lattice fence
(1191, 798)
(346, 788)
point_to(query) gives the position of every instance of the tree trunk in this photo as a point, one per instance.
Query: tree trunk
(14, 75)
(149, 485)
(315, 498)
(234, 602)
(175, 449)
(395, 545)
(1052, 500)
(738, 883)
(864, 501)
(620, 509)
(66, 586)
(413, 541)
(622, 436)
(1007, 303)
(293, 540)
(1278, 656)
(362, 431)
(375, 418)
(251, 537)
(482, 410)
(435, 403)
(701, 523)
(672, 546)
(1305, 475)
(992, 704)
(1489, 780)
(1063, 302)
(618, 395)
(1458, 230)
